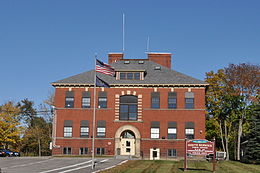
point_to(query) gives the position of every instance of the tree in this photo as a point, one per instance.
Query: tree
(217, 106)
(229, 97)
(38, 132)
(37, 137)
(252, 146)
(27, 111)
(245, 81)
(9, 125)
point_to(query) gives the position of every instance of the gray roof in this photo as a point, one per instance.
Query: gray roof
(165, 76)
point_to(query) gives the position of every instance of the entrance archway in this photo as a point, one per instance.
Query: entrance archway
(127, 141)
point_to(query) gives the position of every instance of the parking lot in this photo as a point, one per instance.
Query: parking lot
(53, 164)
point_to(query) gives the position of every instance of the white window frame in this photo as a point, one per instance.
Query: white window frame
(101, 130)
(84, 130)
(66, 151)
(86, 102)
(67, 131)
(189, 131)
(100, 151)
(171, 151)
(155, 132)
(84, 149)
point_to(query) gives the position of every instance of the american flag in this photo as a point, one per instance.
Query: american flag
(104, 68)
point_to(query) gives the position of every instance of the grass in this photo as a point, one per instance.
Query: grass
(194, 166)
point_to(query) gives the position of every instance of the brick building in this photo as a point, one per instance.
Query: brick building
(148, 110)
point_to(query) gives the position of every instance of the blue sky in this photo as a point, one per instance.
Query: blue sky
(44, 41)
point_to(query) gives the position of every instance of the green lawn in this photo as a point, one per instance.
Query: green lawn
(161, 166)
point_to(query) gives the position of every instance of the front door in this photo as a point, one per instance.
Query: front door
(127, 143)
(127, 146)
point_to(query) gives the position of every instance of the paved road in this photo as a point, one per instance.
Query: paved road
(53, 165)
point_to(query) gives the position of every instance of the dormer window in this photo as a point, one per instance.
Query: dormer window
(130, 75)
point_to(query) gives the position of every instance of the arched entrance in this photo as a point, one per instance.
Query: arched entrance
(127, 141)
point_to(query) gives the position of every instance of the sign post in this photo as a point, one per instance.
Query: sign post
(214, 155)
(185, 155)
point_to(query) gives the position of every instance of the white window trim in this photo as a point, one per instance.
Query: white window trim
(67, 131)
(155, 133)
(189, 131)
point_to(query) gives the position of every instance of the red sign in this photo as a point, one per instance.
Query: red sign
(200, 147)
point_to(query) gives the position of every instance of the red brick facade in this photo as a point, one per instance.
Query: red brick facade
(146, 115)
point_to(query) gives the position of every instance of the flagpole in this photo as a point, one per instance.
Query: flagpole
(94, 116)
(123, 32)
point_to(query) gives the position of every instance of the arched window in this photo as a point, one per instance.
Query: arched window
(128, 134)
(128, 107)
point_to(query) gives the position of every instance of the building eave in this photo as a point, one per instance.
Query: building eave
(128, 85)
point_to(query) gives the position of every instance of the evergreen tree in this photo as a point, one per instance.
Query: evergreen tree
(252, 147)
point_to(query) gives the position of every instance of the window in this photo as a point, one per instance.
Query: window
(155, 129)
(189, 133)
(83, 151)
(128, 108)
(100, 151)
(102, 99)
(67, 130)
(155, 133)
(122, 76)
(172, 130)
(84, 132)
(84, 129)
(189, 130)
(189, 100)
(130, 76)
(85, 102)
(137, 76)
(67, 150)
(172, 153)
(172, 100)
(69, 99)
(128, 134)
(101, 129)
(155, 100)
(101, 132)
(69, 102)
(102, 102)
(172, 133)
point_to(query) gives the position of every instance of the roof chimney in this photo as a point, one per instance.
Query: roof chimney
(163, 59)
(113, 57)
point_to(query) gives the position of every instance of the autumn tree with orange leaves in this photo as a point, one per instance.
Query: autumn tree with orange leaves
(231, 92)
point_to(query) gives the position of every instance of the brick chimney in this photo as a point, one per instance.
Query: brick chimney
(163, 59)
(113, 57)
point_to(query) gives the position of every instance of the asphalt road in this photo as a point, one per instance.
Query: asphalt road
(53, 164)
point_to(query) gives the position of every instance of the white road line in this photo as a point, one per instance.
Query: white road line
(111, 166)
(81, 167)
(65, 167)
(75, 169)
(27, 164)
